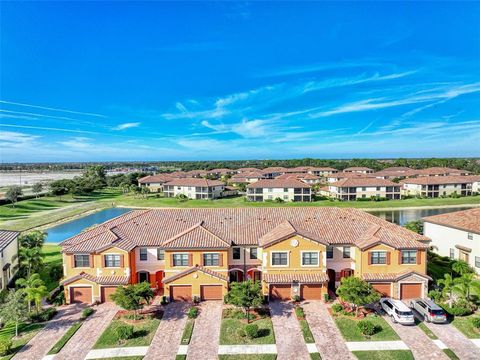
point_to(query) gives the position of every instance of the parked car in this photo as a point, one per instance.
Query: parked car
(398, 311)
(430, 311)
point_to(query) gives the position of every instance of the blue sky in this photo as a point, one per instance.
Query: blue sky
(107, 81)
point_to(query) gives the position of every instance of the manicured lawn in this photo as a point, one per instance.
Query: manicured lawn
(51, 256)
(315, 356)
(348, 328)
(229, 332)
(465, 325)
(25, 333)
(143, 334)
(307, 334)
(64, 339)
(451, 354)
(187, 332)
(427, 331)
(248, 357)
(124, 358)
(384, 355)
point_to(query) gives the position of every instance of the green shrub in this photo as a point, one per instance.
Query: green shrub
(296, 298)
(299, 312)
(460, 307)
(476, 322)
(368, 328)
(164, 300)
(192, 312)
(87, 312)
(252, 331)
(326, 297)
(44, 315)
(436, 295)
(124, 332)
(336, 308)
(5, 346)
(241, 332)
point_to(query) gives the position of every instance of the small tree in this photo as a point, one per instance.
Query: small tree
(357, 292)
(461, 267)
(14, 309)
(34, 290)
(447, 287)
(133, 297)
(246, 294)
(33, 239)
(465, 285)
(30, 260)
(415, 226)
(13, 193)
(37, 189)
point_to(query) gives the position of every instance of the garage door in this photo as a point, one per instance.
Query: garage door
(311, 291)
(181, 292)
(410, 291)
(211, 292)
(80, 294)
(281, 292)
(106, 292)
(383, 288)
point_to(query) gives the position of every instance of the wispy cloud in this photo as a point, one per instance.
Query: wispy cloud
(16, 137)
(47, 128)
(125, 126)
(50, 108)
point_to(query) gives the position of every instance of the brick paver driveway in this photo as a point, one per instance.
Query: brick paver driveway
(419, 343)
(288, 335)
(206, 333)
(167, 339)
(464, 348)
(41, 344)
(83, 340)
(330, 343)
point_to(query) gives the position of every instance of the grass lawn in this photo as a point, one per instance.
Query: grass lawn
(143, 334)
(384, 355)
(124, 358)
(187, 332)
(229, 332)
(465, 325)
(427, 331)
(451, 354)
(51, 256)
(315, 356)
(25, 333)
(248, 357)
(348, 328)
(307, 334)
(64, 339)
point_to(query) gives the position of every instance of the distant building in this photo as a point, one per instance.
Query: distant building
(355, 188)
(194, 188)
(154, 183)
(285, 189)
(358, 169)
(8, 256)
(305, 177)
(436, 186)
(246, 177)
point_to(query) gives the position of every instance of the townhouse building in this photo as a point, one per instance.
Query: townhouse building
(305, 177)
(194, 188)
(196, 253)
(357, 188)
(289, 189)
(456, 235)
(154, 183)
(8, 256)
(247, 177)
(273, 172)
(436, 186)
(358, 169)
(323, 172)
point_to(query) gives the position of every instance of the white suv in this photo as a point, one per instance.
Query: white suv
(398, 311)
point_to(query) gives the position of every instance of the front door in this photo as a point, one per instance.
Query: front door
(143, 276)
(331, 279)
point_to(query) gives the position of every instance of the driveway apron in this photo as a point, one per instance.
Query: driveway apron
(41, 344)
(82, 342)
(328, 339)
(206, 332)
(166, 341)
(288, 335)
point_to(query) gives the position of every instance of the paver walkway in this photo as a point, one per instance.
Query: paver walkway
(376, 345)
(463, 347)
(116, 352)
(290, 342)
(419, 343)
(247, 349)
(81, 343)
(206, 332)
(166, 342)
(329, 341)
(41, 344)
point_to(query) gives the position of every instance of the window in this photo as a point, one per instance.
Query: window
(279, 258)
(470, 236)
(364, 189)
(253, 253)
(160, 254)
(346, 252)
(378, 257)
(452, 253)
(82, 260)
(378, 188)
(180, 259)
(477, 261)
(409, 256)
(310, 258)
(112, 260)
(211, 259)
(285, 197)
(285, 189)
(236, 253)
(143, 254)
(270, 189)
(329, 252)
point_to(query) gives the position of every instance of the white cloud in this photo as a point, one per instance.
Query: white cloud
(125, 126)
(50, 108)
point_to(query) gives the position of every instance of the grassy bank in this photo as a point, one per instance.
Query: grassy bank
(51, 256)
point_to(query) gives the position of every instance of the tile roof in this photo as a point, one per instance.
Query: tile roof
(248, 169)
(242, 226)
(159, 178)
(6, 237)
(194, 182)
(274, 169)
(438, 180)
(392, 276)
(102, 280)
(196, 237)
(193, 269)
(397, 168)
(357, 168)
(278, 183)
(467, 220)
(365, 181)
(305, 176)
(286, 230)
(310, 278)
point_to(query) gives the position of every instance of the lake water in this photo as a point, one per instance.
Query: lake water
(63, 231)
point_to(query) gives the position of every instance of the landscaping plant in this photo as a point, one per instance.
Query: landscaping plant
(251, 330)
(5, 346)
(192, 312)
(87, 312)
(368, 328)
(133, 297)
(124, 332)
(357, 292)
(246, 294)
(14, 309)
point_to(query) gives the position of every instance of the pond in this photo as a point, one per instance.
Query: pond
(63, 231)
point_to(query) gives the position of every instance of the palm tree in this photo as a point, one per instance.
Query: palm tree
(30, 259)
(447, 290)
(34, 290)
(461, 267)
(465, 285)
